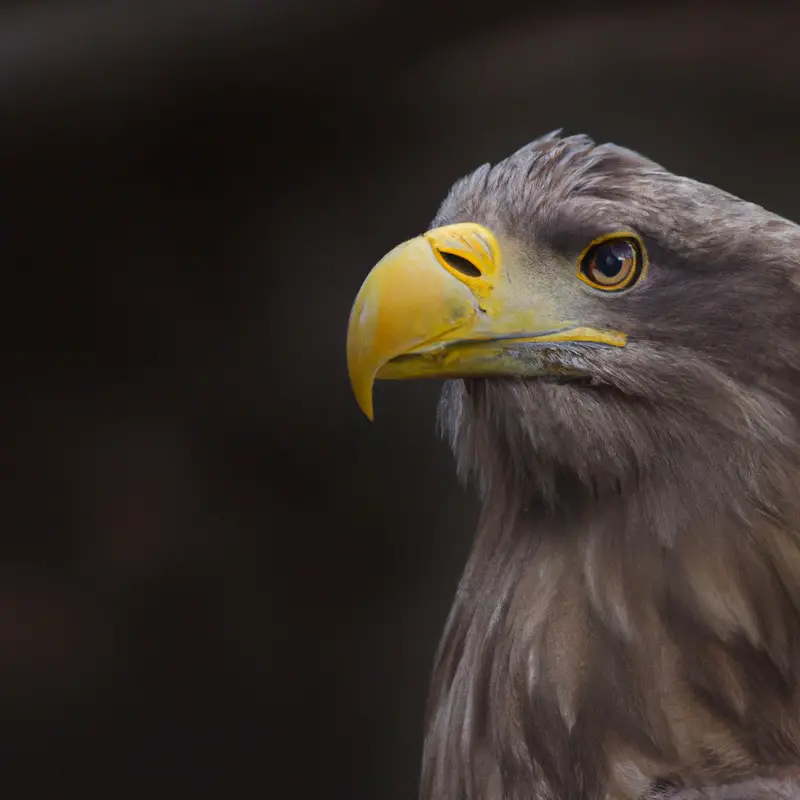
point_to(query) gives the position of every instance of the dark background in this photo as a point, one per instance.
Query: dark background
(216, 575)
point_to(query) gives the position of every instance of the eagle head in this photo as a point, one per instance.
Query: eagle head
(621, 350)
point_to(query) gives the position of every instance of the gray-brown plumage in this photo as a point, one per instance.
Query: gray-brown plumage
(628, 623)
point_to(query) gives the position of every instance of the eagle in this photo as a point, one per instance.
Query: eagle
(620, 351)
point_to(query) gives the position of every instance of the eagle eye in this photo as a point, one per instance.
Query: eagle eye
(612, 263)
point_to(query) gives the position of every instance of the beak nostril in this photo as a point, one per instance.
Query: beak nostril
(460, 264)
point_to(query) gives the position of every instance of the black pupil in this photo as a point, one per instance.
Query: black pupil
(610, 258)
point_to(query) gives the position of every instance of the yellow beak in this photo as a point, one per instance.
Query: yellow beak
(441, 306)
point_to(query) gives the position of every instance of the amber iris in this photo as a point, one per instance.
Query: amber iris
(612, 264)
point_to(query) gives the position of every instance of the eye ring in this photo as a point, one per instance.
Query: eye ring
(613, 263)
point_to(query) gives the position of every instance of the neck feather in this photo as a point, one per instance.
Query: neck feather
(604, 638)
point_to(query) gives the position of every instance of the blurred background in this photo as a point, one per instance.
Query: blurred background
(215, 573)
